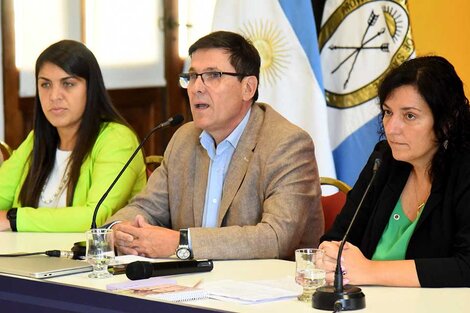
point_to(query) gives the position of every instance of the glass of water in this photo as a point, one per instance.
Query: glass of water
(307, 273)
(99, 251)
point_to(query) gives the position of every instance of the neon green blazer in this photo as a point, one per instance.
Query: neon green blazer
(113, 147)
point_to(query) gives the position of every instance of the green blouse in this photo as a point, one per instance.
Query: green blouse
(394, 241)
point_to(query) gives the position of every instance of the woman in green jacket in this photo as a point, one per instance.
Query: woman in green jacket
(78, 145)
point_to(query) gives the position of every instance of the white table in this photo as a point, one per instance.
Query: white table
(378, 299)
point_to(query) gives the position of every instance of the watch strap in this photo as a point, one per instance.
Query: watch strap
(184, 240)
(11, 217)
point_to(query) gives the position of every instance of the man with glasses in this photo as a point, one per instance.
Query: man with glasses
(239, 182)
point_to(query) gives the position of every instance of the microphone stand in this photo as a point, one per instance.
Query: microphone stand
(79, 247)
(172, 121)
(339, 297)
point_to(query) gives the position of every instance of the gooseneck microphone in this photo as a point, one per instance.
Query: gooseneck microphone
(172, 121)
(339, 297)
(79, 247)
(142, 269)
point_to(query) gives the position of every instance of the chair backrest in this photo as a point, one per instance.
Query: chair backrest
(152, 162)
(5, 151)
(332, 204)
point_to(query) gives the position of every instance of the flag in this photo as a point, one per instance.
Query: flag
(284, 34)
(359, 41)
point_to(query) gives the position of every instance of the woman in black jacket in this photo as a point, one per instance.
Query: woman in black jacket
(414, 226)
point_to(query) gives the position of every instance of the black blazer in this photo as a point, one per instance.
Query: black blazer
(440, 244)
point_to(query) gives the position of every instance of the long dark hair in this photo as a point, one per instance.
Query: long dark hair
(77, 60)
(442, 89)
(243, 55)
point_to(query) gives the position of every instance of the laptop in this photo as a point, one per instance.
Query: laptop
(42, 266)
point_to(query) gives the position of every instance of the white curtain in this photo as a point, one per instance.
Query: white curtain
(123, 35)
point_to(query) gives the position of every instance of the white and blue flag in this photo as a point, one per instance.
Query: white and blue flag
(290, 78)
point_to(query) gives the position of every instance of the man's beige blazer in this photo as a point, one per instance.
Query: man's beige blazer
(271, 196)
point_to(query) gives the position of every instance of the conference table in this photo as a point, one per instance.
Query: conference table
(92, 291)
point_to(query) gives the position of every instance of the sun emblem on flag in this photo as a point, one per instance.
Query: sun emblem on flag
(272, 47)
(393, 21)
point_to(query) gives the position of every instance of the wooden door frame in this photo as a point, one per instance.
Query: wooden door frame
(177, 98)
(14, 123)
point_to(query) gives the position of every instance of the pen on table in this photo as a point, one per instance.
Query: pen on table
(198, 283)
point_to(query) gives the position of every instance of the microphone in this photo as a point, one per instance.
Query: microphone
(339, 297)
(79, 247)
(142, 269)
(172, 121)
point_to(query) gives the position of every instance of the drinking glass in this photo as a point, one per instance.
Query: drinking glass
(99, 251)
(307, 273)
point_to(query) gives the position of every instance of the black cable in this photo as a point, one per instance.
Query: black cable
(53, 253)
(20, 254)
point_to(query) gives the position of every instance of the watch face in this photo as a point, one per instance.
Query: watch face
(183, 253)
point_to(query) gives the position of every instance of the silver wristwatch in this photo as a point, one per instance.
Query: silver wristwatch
(183, 252)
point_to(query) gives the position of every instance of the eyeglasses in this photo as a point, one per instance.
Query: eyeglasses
(210, 79)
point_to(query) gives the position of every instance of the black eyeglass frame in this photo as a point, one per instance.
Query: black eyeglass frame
(186, 77)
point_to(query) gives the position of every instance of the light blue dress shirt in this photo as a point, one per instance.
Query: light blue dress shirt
(220, 158)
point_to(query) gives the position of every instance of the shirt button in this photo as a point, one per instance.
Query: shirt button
(214, 200)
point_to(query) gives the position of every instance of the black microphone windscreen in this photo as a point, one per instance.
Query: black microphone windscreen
(143, 269)
(177, 119)
(139, 270)
(79, 250)
(377, 163)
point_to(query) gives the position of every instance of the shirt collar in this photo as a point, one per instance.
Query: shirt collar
(206, 139)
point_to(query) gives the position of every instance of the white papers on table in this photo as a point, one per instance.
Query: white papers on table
(126, 259)
(254, 291)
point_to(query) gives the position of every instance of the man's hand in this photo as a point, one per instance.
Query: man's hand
(140, 238)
